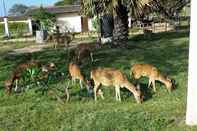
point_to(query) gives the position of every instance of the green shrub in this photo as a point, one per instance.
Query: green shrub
(18, 28)
(46, 19)
(15, 28)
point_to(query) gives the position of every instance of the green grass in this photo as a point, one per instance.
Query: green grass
(161, 111)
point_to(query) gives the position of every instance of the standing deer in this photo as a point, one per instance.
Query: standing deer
(147, 70)
(114, 77)
(59, 38)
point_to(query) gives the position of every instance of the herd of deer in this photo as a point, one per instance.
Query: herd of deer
(100, 76)
(115, 77)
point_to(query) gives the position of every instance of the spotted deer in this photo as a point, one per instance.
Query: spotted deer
(114, 77)
(147, 70)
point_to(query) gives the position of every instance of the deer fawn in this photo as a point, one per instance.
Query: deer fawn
(139, 70)
(76, 74)
(83, 50)
(114, 77)
(16, 75)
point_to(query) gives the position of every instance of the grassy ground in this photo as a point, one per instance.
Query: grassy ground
(161, 111)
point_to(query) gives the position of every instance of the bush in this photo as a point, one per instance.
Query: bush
(46, 19)
(18, 28)
(15, 28)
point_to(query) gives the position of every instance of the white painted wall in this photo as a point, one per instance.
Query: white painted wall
(71, 23)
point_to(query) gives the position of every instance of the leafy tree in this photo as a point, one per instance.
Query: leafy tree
(47, 19)
(18, 10)
(65, 2)
(121, 9)
(168, 8)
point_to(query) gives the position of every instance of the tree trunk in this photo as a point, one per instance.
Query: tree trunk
(120, 33)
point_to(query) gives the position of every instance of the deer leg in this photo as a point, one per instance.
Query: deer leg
(91, 56)
(16, 87)
(149, 83)
(119, 94)
(95, 91)
(101, 94)
(116, 93)
(154, 88)
(117, 89)
(81, 85)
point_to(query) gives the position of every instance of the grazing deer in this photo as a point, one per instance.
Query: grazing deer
(83, 50)
(76, 74)
(114, 77)
(139, 70)
(17, 73)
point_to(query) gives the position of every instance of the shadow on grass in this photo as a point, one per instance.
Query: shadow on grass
(167, 51)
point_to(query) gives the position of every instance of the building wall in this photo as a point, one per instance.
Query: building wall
(69, 23)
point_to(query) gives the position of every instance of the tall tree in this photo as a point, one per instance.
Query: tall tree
(66, 2)
(168, 8)
(46, 19)
(18, 10)
(121, 9)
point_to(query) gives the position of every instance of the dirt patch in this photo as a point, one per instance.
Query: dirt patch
(30, 49)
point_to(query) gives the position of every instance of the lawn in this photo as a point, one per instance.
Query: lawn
(34, 111)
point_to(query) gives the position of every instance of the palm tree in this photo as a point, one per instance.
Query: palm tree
(168, 8)
(121, 9)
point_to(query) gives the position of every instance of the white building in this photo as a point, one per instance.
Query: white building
(68, 18)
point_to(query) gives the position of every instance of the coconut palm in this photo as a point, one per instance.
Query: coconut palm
(121, 9)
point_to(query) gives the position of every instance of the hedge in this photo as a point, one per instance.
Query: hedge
(15, 28)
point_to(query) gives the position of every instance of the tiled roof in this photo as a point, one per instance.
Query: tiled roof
(58, 9)
(15, 18)
(52, 9)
